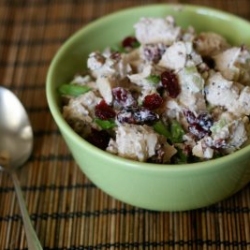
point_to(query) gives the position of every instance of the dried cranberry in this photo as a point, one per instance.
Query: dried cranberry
(205, 121)
(170, 82)
(152, 101)
(129, 42)
(137, 116)
(191, 118)
(200, 125)
(145, 116)
(104, 111)
(126, 116)
(153, 52)
(123, 98)
(98, 138)
(197, 130)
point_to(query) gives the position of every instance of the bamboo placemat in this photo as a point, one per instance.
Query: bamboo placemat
(68, 211)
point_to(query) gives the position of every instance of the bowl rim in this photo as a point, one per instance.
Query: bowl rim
(55, 110)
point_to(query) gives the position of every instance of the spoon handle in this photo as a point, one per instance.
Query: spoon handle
(32, 239)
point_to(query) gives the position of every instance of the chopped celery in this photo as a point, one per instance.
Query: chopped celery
(136, 44)
(160, 128)
(118, 48)
(73, 90)
(177, 132)
(105, 124)
(154, 79)
(217, 127)
(191, 78)
(174, 133)
(181, 157)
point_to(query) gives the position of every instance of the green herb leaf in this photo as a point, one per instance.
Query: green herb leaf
(73, 90)
(105, 124)
(154, 79)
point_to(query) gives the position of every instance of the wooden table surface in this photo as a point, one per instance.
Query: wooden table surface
(68, 211)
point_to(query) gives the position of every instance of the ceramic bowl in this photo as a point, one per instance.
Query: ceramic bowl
(145, 185)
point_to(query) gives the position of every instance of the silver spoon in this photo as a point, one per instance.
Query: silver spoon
(16, 143)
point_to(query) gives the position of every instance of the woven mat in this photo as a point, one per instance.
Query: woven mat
(67, 210)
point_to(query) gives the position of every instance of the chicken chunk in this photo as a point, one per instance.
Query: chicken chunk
(175, 56)
(234, 64)
(105, 86)
(100, 66)
(138, 142)
(209, 43)
(232, 96)
(192, 90)
(157, 30)
(80, 110)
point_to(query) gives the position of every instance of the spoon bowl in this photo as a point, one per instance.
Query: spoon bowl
(15, 129)
(16, 145)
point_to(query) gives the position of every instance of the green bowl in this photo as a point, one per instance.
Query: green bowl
(145, 185)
